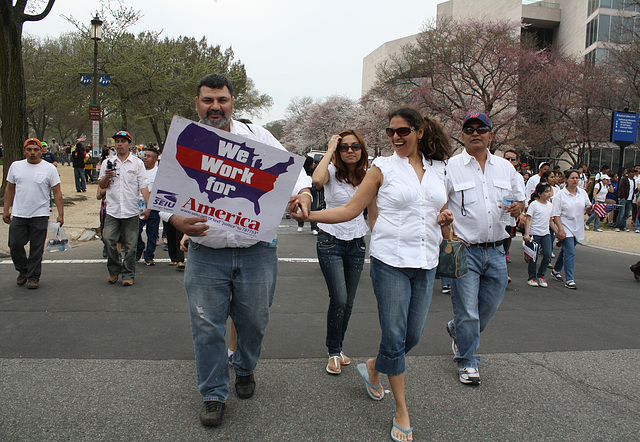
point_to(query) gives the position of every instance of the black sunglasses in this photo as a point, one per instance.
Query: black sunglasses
(481, 130)
(511, 158)
(401, 131)
(345, 147)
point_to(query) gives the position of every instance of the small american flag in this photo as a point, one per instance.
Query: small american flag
(602, 209)
(82, 137)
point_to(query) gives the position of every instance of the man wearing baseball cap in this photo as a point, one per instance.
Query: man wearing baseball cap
(476, 182)
(29, 182)
(124, 176)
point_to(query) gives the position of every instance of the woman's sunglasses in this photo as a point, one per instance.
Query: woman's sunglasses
(345, 147)
(401, 131)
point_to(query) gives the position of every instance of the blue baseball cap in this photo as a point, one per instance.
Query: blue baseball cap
(477, 116)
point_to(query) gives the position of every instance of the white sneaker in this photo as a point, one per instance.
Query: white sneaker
(586, 226)
(542, 282)
(617, 230)
(315, 232)
(598, 230)
(532, 283)
(299, 229)
(469, 375)
(637, 231)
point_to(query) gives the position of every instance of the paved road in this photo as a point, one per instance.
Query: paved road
(84, 360)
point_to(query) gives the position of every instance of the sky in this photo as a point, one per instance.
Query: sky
(290, 48)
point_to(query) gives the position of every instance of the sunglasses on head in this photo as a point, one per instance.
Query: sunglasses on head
(481, 130)
(345, 147)
(401, 131)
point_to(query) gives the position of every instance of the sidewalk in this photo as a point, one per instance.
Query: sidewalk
(574, 396)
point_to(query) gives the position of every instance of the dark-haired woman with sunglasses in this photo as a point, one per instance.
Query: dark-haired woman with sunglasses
(409, 190)
(341, 247)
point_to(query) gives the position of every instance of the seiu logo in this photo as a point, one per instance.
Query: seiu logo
(165, 199)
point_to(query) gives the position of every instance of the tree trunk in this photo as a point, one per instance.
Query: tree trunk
(14, 115)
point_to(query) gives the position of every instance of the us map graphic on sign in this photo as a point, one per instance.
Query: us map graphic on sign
(238, 184)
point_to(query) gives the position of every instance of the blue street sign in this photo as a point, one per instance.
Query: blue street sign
(85, 79)
(624, 127)
(105, 80)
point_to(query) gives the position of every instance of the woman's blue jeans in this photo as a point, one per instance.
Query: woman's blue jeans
(596, 221)
(545, 250)
(341, 263)
(404, 297)
(567, 257)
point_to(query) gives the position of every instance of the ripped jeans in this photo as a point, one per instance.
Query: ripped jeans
(236, 282)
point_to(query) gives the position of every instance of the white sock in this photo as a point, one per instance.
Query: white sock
(229, 352)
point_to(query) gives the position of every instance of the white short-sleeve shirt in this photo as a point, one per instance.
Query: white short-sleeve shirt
(124, 188)
(336, 194)
(406, 233)
(475, 197)
(570, 209)
(540, 215)
(33, 183)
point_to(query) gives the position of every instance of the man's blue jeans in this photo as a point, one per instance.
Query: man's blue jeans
(475, 298)
(125, 229)
(623, 213)
(236, 282)
(153, 224)
(567, 257)
(404, 297)
(81, 183)
(545, 250)
(341, 263)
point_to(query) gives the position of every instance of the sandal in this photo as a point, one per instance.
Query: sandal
(364, 374)
(336, 363)
(172, 263)
(344, 360)
(180, 266)
(406, 432)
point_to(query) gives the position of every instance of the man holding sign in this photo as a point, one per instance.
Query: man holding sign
(228, 273)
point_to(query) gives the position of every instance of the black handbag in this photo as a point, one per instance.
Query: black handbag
(453, 259)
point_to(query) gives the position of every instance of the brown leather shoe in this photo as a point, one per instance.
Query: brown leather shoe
(22, 279)
(33, 283)
(127, 282)
(113, 279)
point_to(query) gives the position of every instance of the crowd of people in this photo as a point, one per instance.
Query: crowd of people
(408, 201)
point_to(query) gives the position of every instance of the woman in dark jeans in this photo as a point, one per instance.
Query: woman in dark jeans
(341, 247)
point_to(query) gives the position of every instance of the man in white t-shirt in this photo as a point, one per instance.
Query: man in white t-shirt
(152, 223)
(530, 187)
(29, 182)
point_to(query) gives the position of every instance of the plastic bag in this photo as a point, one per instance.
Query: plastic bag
(57, 240)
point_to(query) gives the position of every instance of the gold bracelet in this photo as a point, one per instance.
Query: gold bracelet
(306, 192)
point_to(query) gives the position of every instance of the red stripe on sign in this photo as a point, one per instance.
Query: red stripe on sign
(225, 168)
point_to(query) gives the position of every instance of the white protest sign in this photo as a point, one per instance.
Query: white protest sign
(239, 185)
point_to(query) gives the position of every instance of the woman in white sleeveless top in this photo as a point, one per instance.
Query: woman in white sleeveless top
(405, 243)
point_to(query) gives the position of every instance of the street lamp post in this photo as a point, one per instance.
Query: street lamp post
(96, 35)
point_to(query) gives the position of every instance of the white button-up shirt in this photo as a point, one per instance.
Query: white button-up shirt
(474, 196)
(406, 233)
(570, 209)
(336, 194)
(217, 238)
(124, 188)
